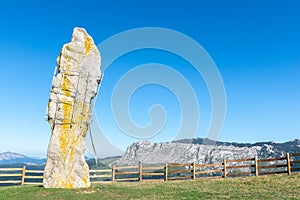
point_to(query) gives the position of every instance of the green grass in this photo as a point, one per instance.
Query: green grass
(264, 187)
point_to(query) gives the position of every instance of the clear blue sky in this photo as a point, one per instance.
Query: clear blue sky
(255, 45)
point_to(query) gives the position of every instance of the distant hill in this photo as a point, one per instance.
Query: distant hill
(103, 163)
(202, 150)
(8, 158)
(14, 158)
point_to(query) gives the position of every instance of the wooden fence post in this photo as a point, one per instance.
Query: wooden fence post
(113, 170)
(224, 168)
(288, 160)
(256, 166)
(166, 172)
(141, 172)
(23, 175)
(194, 170)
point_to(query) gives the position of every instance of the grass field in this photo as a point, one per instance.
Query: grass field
(264, 187)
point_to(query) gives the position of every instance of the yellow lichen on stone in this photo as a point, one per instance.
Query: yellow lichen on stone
(64, 141)
(85, 181)
(68, 59)
(67, 47)
(88, 42)
(65, 86)
(68, 183)
(68, 66)
(65, 128)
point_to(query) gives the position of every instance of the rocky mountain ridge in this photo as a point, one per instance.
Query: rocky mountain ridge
(202, 150)
(10, 155)
(10, 158)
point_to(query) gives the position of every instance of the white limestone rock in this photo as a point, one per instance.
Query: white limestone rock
(194, 149)
(69, 111)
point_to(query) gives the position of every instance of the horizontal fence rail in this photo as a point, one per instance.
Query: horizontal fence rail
(11, 175)
(170, 171)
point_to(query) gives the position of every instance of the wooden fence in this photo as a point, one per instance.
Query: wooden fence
(21, 176)
(170, 171)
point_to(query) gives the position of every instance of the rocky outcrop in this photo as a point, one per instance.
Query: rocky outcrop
(69, 110)
(202, 151)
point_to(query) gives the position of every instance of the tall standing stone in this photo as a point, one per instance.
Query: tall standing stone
(69, 112)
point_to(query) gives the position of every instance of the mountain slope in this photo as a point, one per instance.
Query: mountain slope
(202, 151)
(11, 158)
(10, 155)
